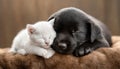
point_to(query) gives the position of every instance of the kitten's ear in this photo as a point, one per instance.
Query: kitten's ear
(52, 21)
(30, 28)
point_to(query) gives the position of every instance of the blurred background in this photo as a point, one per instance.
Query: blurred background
(15, 14)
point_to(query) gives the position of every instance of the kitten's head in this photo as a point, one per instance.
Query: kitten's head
(42, 33)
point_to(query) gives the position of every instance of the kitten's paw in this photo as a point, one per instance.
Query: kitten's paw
(21, 51)
(12, 51)
(82, 51)
(42, 52)
(49, 54)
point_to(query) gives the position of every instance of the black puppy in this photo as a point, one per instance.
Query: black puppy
(78, 33)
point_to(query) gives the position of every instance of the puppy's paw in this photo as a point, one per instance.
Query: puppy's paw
(81, 51)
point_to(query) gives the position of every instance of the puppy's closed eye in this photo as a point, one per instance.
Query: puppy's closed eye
(74, 31)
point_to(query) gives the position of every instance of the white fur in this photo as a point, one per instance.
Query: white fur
(32, 39)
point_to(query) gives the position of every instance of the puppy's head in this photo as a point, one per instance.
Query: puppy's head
(64, 43)
(73, 28)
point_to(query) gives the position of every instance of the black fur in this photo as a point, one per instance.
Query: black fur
(78, 33)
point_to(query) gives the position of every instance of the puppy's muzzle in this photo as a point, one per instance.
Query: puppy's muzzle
(62, 46)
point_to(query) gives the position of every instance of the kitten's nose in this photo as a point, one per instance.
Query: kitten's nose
(47, 43)
(62, 45)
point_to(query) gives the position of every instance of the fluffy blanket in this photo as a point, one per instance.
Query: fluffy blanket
(102, 58)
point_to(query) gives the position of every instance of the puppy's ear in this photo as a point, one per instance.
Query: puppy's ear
(95, 32)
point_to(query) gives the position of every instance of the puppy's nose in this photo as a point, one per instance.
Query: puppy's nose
(62, 45)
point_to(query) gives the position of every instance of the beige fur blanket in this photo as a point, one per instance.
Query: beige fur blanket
(103, 58)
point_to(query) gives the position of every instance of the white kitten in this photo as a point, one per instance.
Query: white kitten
(35, 39)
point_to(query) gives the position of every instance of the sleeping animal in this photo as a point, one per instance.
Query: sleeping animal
(78, 33)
